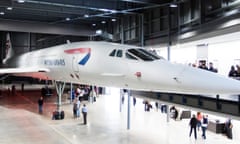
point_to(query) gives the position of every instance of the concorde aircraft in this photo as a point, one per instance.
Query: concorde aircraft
(116, 65)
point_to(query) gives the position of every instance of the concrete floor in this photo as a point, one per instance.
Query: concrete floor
(20, 123)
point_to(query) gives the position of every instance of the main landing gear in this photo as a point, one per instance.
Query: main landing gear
(59, 114)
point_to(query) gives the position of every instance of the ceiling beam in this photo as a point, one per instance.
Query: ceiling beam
(45, 28)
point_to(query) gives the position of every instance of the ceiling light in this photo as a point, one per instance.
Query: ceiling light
(86, 16)
(21, 1)
(232, 12)
(173, 5)
(113, 20)
(2, 13)
(230, 23)
(108, 10)
(98, 32)
(67, 19)
(9, 8)
(103, 22)
(188, 35)
(94, 24)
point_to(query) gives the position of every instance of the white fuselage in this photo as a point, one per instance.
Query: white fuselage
(99, 68)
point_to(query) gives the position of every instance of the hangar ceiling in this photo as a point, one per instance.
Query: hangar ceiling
(160, 18)
(73, 11)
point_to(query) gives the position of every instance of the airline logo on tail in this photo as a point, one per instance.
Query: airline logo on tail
(86, 51)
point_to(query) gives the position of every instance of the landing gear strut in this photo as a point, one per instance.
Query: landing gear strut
(59, 114)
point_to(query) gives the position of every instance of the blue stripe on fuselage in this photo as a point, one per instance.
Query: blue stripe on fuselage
(85, 59)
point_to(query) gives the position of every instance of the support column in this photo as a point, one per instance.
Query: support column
(120, 101)
(168, 113)
(122, 31)
(71, 90)
(129, 112)
(141, 30)
(238, 103)
(59, 87)
(169, 35)
(218, 104)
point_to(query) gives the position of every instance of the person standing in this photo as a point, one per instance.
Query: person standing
(228, 128)
(193, 125)
(204, 125)
(134, 101)
(199, 118)
(22, 88)
(40, 105)
(13, 90)
(156, 105)
(78, 107)
(123, 99)
(84, 112)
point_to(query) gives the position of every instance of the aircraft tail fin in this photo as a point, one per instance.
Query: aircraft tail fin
(8, 50)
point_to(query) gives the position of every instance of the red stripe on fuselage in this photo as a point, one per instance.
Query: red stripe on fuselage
(78, 50)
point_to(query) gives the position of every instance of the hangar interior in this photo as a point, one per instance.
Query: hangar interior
(138, 22)
(166, 26)
(182, 31)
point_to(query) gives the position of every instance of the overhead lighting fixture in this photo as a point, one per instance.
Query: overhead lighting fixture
(94, 24)
(103, 22)
(108, 10)
(232, 12)
(9, 8)
(173, 5)
(67, 19)
(98, 32)
(230, 23)
(188, 35)
(113, 20)
(86, 16)
(2, 13)
(21, 1)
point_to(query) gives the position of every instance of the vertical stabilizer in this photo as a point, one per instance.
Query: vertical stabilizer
(8, 50)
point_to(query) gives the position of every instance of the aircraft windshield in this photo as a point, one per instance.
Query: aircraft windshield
(144, 54)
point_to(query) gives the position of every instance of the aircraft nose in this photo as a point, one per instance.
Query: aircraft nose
(207, 82)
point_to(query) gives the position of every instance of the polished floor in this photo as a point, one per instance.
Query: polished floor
(21, 124)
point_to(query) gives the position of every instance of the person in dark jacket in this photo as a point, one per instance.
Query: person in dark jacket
(228, 128)
(40, 105)
(193, 125)
(232, 72)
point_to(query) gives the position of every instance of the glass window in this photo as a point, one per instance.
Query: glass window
(112, 53)
(128, 56)
(143, 54)
(119, 53)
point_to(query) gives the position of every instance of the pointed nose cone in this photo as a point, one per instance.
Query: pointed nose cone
(205, 82)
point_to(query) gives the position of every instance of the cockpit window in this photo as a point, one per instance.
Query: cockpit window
(130, 56)
(112, 53)
(143, 54)
(119, 53)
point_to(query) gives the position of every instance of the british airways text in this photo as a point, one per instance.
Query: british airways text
(54, 62)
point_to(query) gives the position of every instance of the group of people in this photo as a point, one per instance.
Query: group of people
(202, 65)
(201, 121)
(85, 93)
(196, 122)
(77, 105)
(234, 71)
